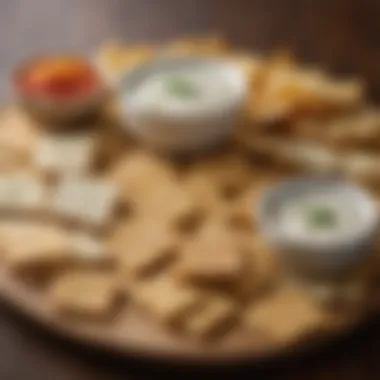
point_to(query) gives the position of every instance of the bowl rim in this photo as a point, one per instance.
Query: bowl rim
(169, 61)
(166, 62)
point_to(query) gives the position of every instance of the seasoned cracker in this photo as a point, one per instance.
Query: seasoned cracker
(90, 202)
(362, 167)
(291, 154)
(203, 190)
(18, 137)
(172, 205)
(266, 264)
(211, 257)
(216, 318)
(286, 316)
(85, 294)
(135, 174)
(32, 246)
(359, 129)
(231, 173)
(290, 91)
(346, 294)
(166, 300)
(241, 213)
(261, 270)
(144, 247)
(114, 59)
(87, 249)
(167, 200)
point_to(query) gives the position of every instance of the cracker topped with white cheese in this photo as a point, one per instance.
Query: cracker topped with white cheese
(21, 192)
(65, 154)
(88, 202)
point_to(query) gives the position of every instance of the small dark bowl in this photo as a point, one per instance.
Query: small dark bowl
(57, 113)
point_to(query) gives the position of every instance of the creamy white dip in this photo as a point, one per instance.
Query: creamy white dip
(183, 93)
(184, 103)
(323, 217)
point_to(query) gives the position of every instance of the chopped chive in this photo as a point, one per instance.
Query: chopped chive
(322, 217)
(181, 87)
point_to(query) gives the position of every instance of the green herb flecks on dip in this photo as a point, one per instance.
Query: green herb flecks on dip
(181, 87)
(322, 217)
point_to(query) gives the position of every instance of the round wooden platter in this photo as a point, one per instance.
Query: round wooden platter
(133, 333)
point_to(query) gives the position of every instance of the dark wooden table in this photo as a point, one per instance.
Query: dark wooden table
(342, 34)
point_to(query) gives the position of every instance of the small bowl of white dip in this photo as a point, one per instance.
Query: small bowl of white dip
(183, 103)
(324, 225)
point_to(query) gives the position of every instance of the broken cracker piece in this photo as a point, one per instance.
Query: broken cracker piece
(216, 318)
(85, 294)
(211, 257)
(166, 300)
(87, 201)
(144, 248)
(286, 316)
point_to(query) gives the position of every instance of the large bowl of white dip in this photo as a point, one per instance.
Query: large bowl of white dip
(325, 225)
(183, 103)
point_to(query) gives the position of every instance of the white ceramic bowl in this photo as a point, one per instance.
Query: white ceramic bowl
(178, 132)
(319, 258)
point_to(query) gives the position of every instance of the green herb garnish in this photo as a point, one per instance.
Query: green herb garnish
(322, 217)
(181, 87)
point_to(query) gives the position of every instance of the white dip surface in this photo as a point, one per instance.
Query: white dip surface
(323, 217)
(184, 93)
(181, 105)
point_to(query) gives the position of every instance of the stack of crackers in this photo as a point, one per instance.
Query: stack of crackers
(100, 228)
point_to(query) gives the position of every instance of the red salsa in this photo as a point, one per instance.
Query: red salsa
(59, 77)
